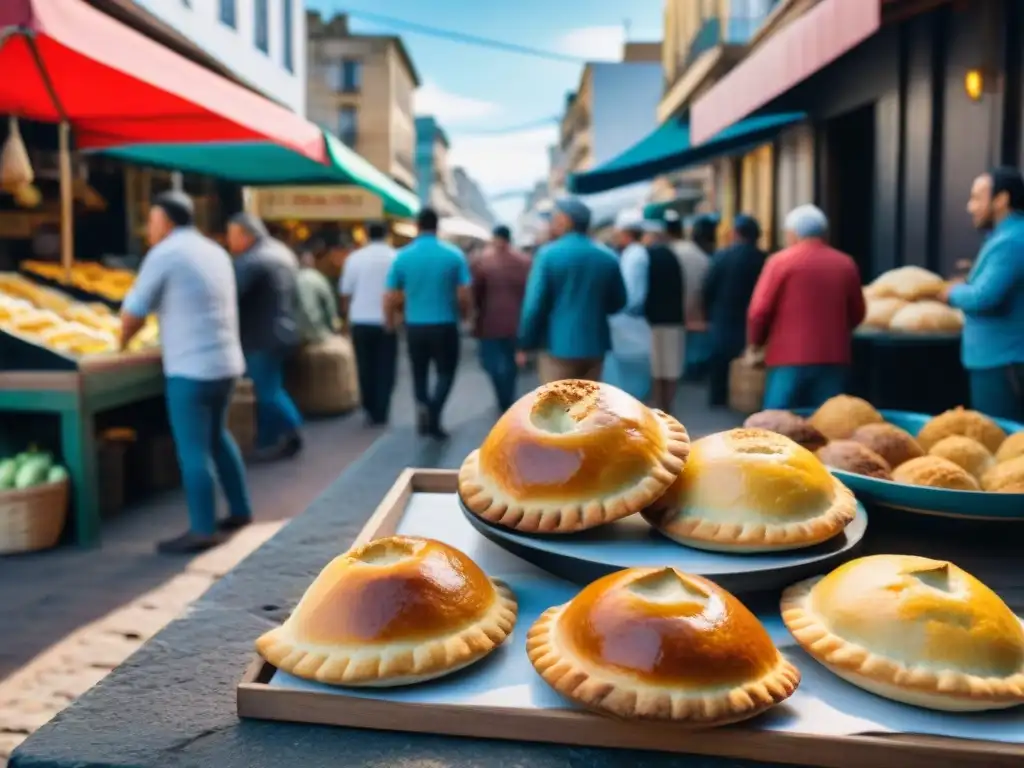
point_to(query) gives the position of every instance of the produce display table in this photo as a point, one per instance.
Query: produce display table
(76, 397)
(173, 704)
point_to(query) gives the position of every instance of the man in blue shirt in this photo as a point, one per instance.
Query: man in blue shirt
(429, 280)
(574, 285)
(992, 297)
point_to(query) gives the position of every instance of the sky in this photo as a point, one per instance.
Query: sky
(478, 94)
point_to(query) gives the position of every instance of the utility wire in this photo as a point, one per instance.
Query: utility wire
(509, 129)
(463, 37)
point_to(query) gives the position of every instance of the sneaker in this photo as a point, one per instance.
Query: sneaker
(189, 544)
(292, 446)
(231, 524)
(422, 420)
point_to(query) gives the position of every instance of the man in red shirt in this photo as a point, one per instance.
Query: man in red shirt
(499, 283)
(806, 304)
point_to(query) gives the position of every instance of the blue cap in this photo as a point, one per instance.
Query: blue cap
(577, 212)
(746, 227)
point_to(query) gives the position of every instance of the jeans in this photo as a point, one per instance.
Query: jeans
(803, 386)
(437, 345)
(498, 358)
(998, 392)
(277, 417)
(376, 351)
(198, 413)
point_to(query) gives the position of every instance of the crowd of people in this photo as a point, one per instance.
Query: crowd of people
(580, 308)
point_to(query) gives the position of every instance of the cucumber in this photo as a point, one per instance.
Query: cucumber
(8, 470)
(32, 472)
(56, 474)
(32, 455)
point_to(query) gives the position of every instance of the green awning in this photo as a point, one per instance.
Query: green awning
(668, 149)
(264, 164)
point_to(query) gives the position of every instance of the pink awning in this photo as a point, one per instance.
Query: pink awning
(806, 45)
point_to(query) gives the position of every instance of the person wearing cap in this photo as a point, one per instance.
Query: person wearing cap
(628, 364)
(187, 280)
(573, 287)
(992, 297)
(266, 272)
(665, 310)
(727, 290)
(362, 288)
(805, 307)
(704, 232)
(499, 284)
(430, 280)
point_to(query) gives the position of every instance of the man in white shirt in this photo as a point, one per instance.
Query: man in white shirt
(362, 290)
(628, 364)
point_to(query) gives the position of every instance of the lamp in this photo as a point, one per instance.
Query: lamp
(974, 84)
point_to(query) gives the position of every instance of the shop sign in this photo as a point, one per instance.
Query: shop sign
(317, 204)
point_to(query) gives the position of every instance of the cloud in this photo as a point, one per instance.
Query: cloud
(505, 162)
(451, 108)
(594, 43)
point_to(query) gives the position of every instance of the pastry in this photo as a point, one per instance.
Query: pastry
(914, 630)
(879, 312)
(572, 455)
(893, 444)
(396, 611)
(1003, 475)
(796, 428)
(851, 456)
(751, 490)
(960, 421)
(1011, 447)
(935, 472)
(927, 317)
(657, 644)
(966, 453)
(839, 416)
(907, 283)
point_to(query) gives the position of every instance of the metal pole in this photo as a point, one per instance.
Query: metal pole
(67, 224)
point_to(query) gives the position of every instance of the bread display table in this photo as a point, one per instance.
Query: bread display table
(99, 384)
(174, 703)
(882, 361)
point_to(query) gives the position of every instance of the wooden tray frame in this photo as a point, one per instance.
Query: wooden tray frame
(257, 700)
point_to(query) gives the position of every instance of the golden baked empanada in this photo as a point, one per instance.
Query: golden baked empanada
(966, 453)
(572, 455)
(796, 428)
(1003, 475)
(927, 317)
(935, 472)
(960, 421)
(396, 611)
(851, 456)
(879, 312)
(1011, 447)
(907, 283)
(893, 444)
(658, 644)
(840, 416)
(750, 490)
(914, 630)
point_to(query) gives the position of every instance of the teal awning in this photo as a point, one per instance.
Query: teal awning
(668, 148)
(264, 164)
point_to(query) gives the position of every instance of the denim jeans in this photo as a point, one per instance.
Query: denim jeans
(198, 414)
(803, 386)
(276, 415)
(998, 392)
(376, 350)
(498, 358)
(436, 345)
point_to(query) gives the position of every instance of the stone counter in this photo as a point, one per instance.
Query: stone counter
(173, 703)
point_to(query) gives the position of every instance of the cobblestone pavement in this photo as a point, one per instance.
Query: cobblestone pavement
(70, 616)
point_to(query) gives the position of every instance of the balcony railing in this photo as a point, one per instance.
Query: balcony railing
(732, 30)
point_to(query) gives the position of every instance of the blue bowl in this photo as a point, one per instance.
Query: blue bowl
(967, 505)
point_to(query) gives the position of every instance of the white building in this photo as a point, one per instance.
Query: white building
(262, 41)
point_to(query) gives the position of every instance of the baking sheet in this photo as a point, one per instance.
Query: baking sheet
(822, 705)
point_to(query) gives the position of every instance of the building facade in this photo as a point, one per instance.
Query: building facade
(435, 181)
(471, 200)
(360, 88)
(263, 42)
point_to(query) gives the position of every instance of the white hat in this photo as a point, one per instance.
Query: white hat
(629, 220)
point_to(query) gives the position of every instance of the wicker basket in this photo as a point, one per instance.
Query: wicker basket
(322, 379)
(746, 386)
(242, 416)
(33, 518)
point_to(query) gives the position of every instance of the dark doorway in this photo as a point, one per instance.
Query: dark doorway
(850, 184)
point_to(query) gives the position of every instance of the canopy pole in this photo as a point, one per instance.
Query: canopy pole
(67, 213)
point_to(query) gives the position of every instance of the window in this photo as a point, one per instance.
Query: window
(261, 25)
(348, 127)
(227, 13)
(288, 56)
(346, 76)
